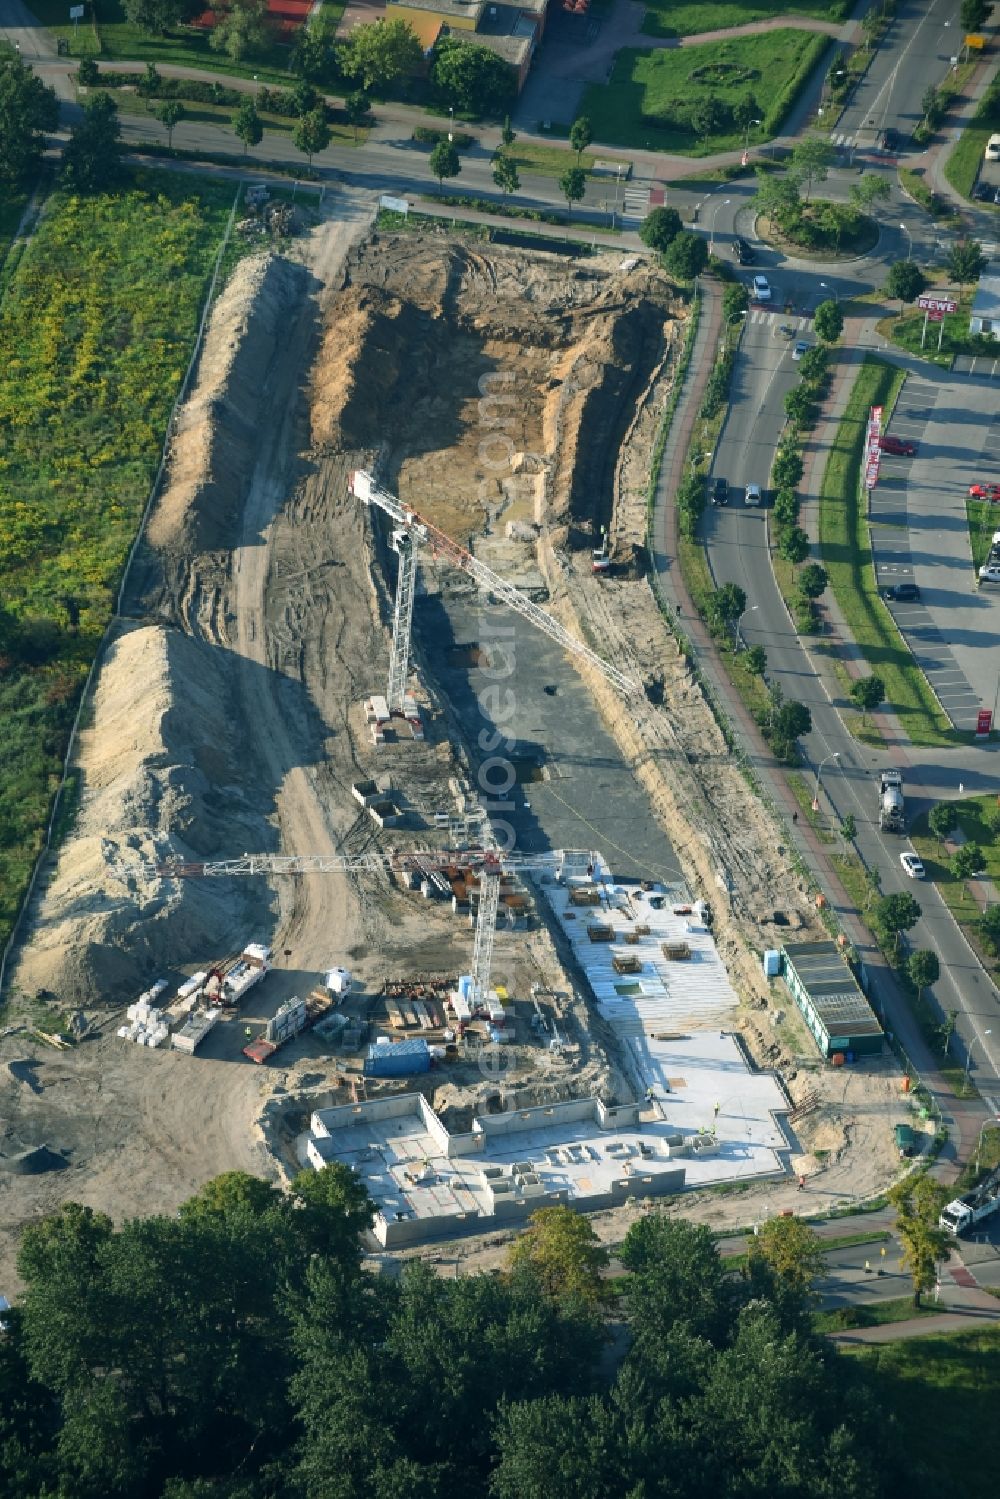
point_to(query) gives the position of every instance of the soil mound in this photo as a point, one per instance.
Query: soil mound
(33, 1162)
(164, 759)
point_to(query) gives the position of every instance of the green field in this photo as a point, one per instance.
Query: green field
(97, 323)
(972, 814)
(646, 101)
(943, 1391)
(846, 555)
(665, 18)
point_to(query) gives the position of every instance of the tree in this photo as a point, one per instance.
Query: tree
(678, 1277)
(897, 914)
(170, 114)
(828, 322)
(974, 14)
(849, 828)
(755, 660)
(470, 77)
(93, 154)
(303, 98)
(942, 819)
(948, 1030)
(918, 1203)
(505, 175)
(812, 158)
(786, 471)
(791, 721)
(314, 56)
(870, 190)
(966, 261)
(312, 133)
(778, 198)
(735, 301)
(149, 84)
(508, 135)
(905, 281)
(687, 255)
(562, 1250)
(444, 161)
(794, 545)
(333, 1210)
(380, 54)
(247, 125)
(356, 108)
(241, 30)
(967, 861)
(786, 508)
(813, 580)
(813, 366)
(923, 969)
(157, 17)
(234, 1193)
(989, 926)
(791, 1249)
(708, 115)
(747, 112)
(728, 603)
(580, 136)
(88, 74)
(28, 109)
(660, 228)
(800, 405)
(573, 185)
(868, 693)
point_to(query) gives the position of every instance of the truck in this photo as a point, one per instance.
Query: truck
(959, 1216)
(294, 1016)
(890, 801)
(226, 987)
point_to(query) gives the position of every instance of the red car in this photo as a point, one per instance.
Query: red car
(989, 492)
(898, 445)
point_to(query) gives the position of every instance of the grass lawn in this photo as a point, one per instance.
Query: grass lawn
(846, 554)
(645, 102)
(113, 36)
(549, 161)
(940, 209)
(944, 1391)
(905, 333)
(222, 114)
(983, 519)
(955, 892)
(688, 17)
(98, 320)
(872, 1314)
(962, 166)
(812, 239)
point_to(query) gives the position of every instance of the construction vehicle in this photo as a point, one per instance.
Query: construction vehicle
(959, 1216)
(293, 1017)
(487, 864)
(600, 557)
(890, 801)
(226, 987)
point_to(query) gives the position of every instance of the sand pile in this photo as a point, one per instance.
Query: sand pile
(161, 761)
(212, 451)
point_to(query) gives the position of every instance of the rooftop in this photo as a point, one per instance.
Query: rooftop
(986, 302)
(834, 991)
(445, 8)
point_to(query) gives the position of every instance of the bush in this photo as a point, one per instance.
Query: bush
(786, 508)
(460, 139)
(806, 616)
(717, 385)
(691, 504)
(787, 470)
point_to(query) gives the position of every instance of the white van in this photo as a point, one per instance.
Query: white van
(989, 572)
(993, 148)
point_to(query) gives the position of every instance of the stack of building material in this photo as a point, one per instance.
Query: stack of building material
(147, 1026)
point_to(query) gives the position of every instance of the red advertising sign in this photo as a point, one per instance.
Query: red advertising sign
(984, 723)
(936, 307)
(873, 452)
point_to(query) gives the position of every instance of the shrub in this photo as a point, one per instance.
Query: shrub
(460, 139)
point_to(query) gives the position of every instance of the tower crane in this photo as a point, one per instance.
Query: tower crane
(413, 529)
(488, 864)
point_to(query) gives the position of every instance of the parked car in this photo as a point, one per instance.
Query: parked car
(912, 866)
(888, 140)
(989, 492)
(901, 593)
(720, 492)
(993, 148)
(900, 446)
(760, 290)
(743, 252)
(989, 572)
(800, 348)
(983, 192)
(752, 495)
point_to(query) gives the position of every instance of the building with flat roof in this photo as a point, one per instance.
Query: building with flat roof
(833, 1005)
(985, 314)
(512, 31)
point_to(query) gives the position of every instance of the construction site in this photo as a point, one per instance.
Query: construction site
(406, 835)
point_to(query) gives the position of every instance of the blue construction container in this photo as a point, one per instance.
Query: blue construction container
(398, 1059)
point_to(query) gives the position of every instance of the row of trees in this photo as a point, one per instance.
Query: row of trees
(28, 111)
(240, 1350)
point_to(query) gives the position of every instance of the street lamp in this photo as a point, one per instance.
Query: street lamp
(827, 287)
(819, 772)
(711, 238)
(968, 1053)
(909, 242)
(739, 632)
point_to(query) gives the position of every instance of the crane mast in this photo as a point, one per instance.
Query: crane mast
(363, 486)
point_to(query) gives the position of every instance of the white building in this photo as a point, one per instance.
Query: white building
(985, 314)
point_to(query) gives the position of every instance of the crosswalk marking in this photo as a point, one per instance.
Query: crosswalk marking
(761, 315)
